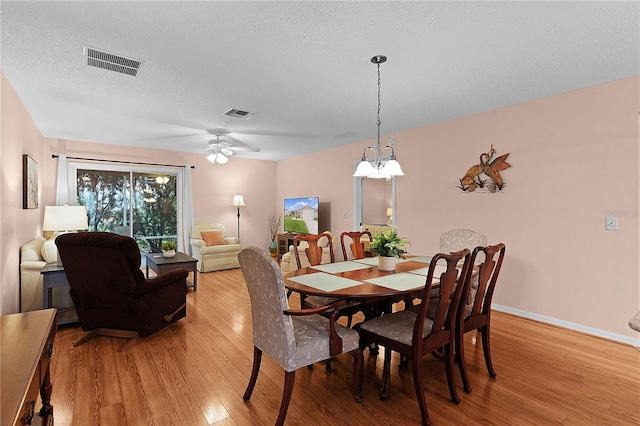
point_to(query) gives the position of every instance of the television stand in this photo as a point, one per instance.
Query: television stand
(283, 243)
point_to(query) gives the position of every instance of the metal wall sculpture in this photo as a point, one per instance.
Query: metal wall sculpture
(489, 167)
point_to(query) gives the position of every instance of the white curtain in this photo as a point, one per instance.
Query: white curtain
(187, 212)
(63, 191)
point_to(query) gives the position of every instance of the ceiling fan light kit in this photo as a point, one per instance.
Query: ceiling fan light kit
(222, 149)
(383, 163)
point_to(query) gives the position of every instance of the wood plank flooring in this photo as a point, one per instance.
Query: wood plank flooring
(195, 372)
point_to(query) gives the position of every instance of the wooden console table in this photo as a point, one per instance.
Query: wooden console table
(27, 347)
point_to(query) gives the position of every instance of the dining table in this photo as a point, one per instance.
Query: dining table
(361, 280)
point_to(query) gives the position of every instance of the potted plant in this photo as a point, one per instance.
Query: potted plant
(168, 248)
(389, 247)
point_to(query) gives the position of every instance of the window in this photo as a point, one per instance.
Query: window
(142, 204)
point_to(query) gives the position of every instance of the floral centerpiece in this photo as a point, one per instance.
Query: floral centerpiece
(389, 246)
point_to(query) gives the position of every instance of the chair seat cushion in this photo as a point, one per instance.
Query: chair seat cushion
(397, 326)
(311, 335)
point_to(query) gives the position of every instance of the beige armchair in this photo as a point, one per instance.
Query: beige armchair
(288, 262)
(213, 248)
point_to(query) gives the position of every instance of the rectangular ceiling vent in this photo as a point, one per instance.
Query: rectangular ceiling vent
(111, 62)
(238, 113)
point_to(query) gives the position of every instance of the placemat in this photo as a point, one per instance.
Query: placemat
(401, 282)
(336, 268)
(325, 282)
(373, 261)
(439, 270)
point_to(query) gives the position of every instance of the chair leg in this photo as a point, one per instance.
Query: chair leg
(289, 380)
(257, 358)
(462, 365)
(448, 364)
(327, 367)
(358, 373)
(418, 384)
(486, 346)
(386, 372)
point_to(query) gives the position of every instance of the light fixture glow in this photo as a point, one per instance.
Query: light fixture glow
(217, 157)
(383, 163)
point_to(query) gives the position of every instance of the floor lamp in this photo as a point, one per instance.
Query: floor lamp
(238, 201)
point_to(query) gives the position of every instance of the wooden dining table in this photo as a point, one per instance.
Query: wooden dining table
(361, 279)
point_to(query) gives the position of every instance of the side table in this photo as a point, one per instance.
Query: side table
(160, 265)
(53, 276)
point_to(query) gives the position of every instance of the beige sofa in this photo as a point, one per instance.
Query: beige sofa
(217, 257)
(34, 255)
(288, 262)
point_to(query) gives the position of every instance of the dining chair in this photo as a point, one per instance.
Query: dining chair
(292, 338)
(477, 314)
(356, 246)
(413, 335)
(314, 256)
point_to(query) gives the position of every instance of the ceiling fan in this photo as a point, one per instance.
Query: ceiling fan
(223, 149)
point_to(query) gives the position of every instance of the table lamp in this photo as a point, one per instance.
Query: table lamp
(59, 219)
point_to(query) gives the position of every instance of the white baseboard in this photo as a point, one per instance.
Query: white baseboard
(570, 325)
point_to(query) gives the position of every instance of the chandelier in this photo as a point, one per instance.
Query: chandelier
(217, 157)
(381, 163)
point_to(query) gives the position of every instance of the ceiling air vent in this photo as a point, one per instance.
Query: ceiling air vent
(237, 113)
(111, 62)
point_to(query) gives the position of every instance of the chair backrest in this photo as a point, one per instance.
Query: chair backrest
(203, 227)
(356, 246)
(458, 239)
(272, 330)
(103, 270)
(314, 251)
(449, 293)
(488, 272)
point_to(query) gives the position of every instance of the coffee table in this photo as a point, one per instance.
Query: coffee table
(160, 265)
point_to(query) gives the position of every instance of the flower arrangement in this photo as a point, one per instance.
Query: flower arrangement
(274, 224)
(168, 245)
(389, 244)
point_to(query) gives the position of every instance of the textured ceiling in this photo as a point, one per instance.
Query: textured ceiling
(303, 68)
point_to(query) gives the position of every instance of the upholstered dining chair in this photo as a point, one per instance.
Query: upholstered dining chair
(292, 338)
(314, 256)
(477, 314)
(413, 335)
(109, 292)
(356, 246)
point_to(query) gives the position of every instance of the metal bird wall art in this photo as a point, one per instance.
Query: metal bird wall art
(490, 167)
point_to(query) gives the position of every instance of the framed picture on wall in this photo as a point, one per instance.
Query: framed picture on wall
(29, 183)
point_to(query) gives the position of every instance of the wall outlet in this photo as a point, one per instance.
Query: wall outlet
(611, 223)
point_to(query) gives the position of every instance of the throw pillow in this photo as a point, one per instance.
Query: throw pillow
(213, 238)
(50, 250)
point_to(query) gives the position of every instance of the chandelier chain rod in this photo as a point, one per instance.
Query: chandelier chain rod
(378, 122)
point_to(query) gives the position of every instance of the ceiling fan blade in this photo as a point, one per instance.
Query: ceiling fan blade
(244, 148)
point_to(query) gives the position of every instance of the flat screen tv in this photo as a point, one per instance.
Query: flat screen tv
(301, 215)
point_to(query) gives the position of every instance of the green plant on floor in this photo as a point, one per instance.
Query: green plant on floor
(389, 244)
(168, 245)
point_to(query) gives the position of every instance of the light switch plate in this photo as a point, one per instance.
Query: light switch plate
(611, 223)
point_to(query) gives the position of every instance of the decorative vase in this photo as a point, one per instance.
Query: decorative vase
(273, 249)
(169, 253)
(386, 263)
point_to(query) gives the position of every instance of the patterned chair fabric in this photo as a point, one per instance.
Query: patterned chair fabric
(291, 338)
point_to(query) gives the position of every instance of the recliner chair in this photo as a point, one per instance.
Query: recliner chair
(109, 291)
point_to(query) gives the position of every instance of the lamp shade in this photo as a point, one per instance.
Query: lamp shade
(392, 168)
(238, 201)
(65, 218)
(364, 169)
(389, 211)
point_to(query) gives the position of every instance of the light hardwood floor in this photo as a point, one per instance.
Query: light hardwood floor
(195, 373)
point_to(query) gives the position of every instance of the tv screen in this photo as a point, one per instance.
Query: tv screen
(301, 215)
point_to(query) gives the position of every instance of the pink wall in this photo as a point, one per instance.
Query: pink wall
(574, 160)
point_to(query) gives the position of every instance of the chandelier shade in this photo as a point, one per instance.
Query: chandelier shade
(382, 164)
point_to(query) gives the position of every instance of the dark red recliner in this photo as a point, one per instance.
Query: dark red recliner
(109, 291)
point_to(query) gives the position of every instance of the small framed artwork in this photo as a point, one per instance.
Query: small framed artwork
(29, 183)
